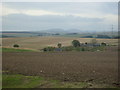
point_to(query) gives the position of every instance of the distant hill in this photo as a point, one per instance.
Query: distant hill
(60, 32)
(53, 31)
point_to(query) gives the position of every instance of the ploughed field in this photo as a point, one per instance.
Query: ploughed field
(98, 67)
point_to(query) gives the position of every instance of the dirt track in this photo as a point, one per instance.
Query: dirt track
(66, 66)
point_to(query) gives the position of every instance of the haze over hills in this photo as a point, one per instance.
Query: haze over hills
(62, 31)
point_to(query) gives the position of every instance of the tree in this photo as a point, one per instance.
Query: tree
(59, 45)
(94, 41)
(76, 43)
(15, 45)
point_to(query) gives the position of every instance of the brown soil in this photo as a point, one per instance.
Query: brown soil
(66, 66)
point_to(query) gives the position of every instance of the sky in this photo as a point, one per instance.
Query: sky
(36, 16)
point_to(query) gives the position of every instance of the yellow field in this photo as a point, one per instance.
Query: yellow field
(40, 42)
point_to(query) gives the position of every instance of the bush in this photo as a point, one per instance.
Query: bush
(86, 43)
(83, 49)
(15, 45)
(68, 48)
(49, 49)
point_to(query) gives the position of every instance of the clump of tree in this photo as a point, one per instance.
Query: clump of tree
(16, 45)
(76, 43)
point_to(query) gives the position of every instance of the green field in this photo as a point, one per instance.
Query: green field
(14, 50)
(21, 81)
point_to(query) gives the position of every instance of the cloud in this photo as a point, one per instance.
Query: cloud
(39, 12)
(48, 16)
(8, 11)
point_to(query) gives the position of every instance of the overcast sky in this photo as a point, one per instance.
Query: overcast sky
(65, 15)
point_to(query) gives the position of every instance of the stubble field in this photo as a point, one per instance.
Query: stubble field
(41, 42)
